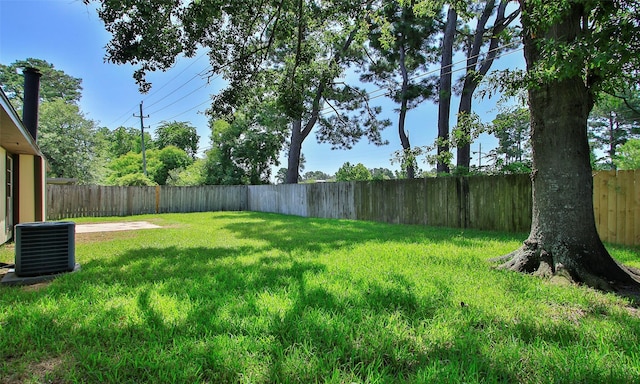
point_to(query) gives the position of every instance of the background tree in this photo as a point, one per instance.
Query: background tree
(179, 134)
(511, 128)
(66, 139)
(398, 60)
(102, 154)
(281, 176)
(315, 175)
(127, 169)
(445, 90)
(382, 174)
(307, 44)
(171, 158)
(612, 122)
(127, 139)
(348, 172)
(497, 38)
(192, 175)
(628, 156)
(54, 83)
(244, 150)
(160, 162)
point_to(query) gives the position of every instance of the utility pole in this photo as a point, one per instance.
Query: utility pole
(480, 153)
(144, 159)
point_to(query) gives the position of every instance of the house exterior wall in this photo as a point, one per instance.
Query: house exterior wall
(5, 232)
(41, 185)
(26, 185)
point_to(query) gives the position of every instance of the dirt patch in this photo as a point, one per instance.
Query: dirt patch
(93, 237)
(36, 287)
(88, 233)
(43, 371)
(633, 311)
(573, 314)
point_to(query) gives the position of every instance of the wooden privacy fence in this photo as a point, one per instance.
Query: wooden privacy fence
(616, 203)
(69, 201)
(482, 202)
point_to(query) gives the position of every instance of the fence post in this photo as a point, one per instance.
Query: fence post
(157, 199)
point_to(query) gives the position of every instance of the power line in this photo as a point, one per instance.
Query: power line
(176, 89)
(185, 96)
(175, 77)
(189, 110)
(157, 90)
(328, 110)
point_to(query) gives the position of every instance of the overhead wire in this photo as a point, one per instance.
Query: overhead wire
(372, 95)
(175, 77)
(189, 110)
(328, 110)
(157, 90)
(173, 91)
(188, 94)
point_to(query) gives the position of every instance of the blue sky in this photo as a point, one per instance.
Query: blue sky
(70, 35)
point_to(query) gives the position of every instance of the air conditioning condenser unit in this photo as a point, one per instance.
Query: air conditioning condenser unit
(44, 248)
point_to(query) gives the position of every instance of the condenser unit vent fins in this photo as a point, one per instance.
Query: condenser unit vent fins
(45, 248)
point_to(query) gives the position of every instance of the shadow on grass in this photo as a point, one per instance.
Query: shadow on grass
(223, 329)
(231, 314)
(290, 233)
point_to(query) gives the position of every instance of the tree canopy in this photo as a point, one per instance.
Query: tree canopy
(402, 48)
(350, 172)
(614, 120)
(303, 47)
(244, 150)
(628, 156)
(179, 134)
(66, 138)
(54, 83)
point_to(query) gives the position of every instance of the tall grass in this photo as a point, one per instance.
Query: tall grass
(256, 298)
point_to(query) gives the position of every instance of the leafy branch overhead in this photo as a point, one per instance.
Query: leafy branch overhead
(297, 47)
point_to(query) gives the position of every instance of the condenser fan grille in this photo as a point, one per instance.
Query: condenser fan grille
(44, 248)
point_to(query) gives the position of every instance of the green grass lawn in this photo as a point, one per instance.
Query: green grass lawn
(255, 298)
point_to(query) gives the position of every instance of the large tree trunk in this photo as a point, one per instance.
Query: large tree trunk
(295, 149)
(612, 139)
(476, 70)
(563, 240)
(471, 83)
(444, 99)
(404, 138)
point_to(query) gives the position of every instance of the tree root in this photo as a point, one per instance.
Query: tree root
(533, 259)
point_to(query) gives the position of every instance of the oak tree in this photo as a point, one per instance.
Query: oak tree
(573, 50)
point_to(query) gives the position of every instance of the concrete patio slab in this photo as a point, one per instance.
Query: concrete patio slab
(10, 278)
(110, 227)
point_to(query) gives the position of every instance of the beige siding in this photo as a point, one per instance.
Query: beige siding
(26, 185)
(4, 231)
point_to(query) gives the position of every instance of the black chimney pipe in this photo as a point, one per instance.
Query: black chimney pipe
(31, 100)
